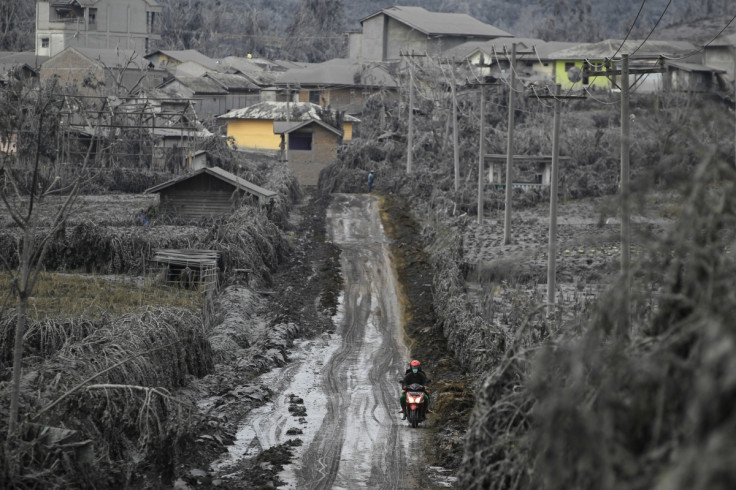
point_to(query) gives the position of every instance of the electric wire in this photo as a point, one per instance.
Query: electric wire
(653, 28)
(630, 28)
(687, 55)
(498, 60)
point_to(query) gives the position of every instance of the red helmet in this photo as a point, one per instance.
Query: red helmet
(415, 363)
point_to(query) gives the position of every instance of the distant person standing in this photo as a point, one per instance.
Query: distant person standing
(370, 181)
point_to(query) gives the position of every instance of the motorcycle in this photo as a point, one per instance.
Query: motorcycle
(416, 411)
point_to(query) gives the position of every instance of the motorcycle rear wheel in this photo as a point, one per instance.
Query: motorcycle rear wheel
(414, 418)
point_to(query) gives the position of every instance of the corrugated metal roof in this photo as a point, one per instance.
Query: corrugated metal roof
(340, 72)
(276, 111)
(694, 67)
(221, 174)
(440, 23)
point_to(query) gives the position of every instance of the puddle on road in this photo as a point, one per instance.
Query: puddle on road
(267, 426)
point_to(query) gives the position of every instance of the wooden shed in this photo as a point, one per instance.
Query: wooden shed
(208, 192)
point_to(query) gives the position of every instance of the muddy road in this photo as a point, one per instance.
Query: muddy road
(339, 393)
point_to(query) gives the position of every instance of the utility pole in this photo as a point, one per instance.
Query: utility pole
(510, 147)
(481, 152)
(625, 205)
(553, 183)
(552, 245)
(625, 72)
(455, 146)
(410, 126)
(288, 119)
(509, 151)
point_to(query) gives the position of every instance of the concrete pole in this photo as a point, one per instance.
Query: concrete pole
(552, 248)
(481, 152)
(625, 204)
(510, 151)
(455, 145)
(410, 128)
(288, 119)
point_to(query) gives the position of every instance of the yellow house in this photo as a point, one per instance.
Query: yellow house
(308, 138)
(253, 126)
(492, 58)
(572, 64)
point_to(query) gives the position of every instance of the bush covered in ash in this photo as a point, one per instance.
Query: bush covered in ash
(645, 406)
(577, 401)
(99, 408)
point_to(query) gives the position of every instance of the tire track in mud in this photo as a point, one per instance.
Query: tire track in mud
(362, 442)
(352, 434)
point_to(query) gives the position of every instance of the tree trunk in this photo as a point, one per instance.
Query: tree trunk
(20, 331)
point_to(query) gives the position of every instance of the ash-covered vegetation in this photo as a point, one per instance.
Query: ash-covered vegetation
(102, 367)
(626, 384)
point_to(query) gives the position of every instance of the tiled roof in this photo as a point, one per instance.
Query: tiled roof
(231, 81)
(193, 55)
(198, 85)
(439, 23)
(114, 58)
(606, 49)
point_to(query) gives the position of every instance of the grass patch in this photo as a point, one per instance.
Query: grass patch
(90, 296)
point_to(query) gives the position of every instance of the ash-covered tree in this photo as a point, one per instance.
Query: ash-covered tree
(316, 32)
(182, 24)
(33, 134)
(566, 20)
(16, 25)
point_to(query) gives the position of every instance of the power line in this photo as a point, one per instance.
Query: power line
(630, 28)
(655, 26)
(672, 58)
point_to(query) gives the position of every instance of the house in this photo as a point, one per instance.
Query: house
(305, 134)
(494, 57)
(140, 130)
(692, 77)
(392, 31)
(312, 145)
(721, 55)
(22, 65)
(187, 62)
(213, 94)
(208, 192)
(99, 24)
(173, 128)
(101, 71)
(253, 126)
(573, 64)
(341, 84)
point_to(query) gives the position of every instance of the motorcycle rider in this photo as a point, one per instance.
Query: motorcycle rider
(414, 374)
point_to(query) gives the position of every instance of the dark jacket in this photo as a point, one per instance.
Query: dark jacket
(419, 377)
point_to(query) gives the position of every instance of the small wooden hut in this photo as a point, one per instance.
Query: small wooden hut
(208, 192)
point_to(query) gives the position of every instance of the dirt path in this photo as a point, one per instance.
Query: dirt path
(339, 393)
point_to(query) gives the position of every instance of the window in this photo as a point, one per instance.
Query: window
(300, 141)
(44, 42)
(92, 16)
(315, 96)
